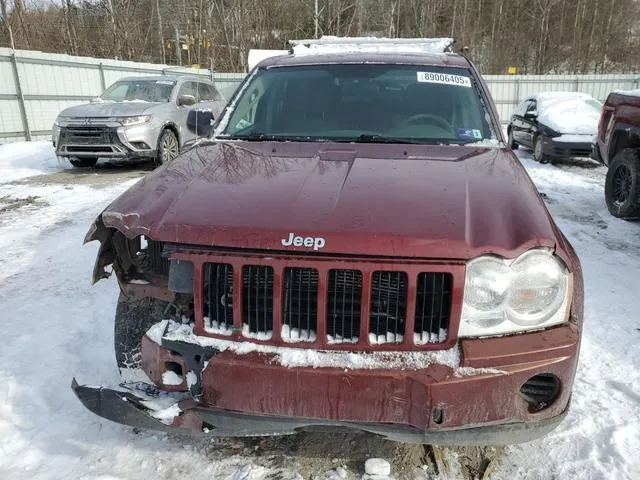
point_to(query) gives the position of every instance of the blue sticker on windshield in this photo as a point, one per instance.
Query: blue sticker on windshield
(469, 134)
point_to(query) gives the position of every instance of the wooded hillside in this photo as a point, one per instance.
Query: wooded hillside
(536, 36)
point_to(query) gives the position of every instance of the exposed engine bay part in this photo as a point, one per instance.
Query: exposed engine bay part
(181, 276)
(134, 316)
(122, 252)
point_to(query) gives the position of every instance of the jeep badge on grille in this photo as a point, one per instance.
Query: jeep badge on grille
(316, 242)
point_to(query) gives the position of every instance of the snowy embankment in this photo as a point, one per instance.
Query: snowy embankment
(56, 325)
(26, 159)
(601, 436)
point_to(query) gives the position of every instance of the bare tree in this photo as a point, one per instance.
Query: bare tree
(7, 23)
(536, 36)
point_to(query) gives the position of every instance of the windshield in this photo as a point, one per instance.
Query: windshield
(360, 102)
(139, 91)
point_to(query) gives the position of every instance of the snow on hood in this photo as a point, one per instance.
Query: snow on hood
(571, 115)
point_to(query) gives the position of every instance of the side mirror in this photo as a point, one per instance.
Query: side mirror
(186, 100)
(200, 122)
(531, 114)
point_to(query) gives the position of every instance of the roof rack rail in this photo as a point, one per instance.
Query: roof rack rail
(332, 44)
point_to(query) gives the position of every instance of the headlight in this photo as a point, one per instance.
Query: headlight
(128, 121)
(58, 120)
(507, 296)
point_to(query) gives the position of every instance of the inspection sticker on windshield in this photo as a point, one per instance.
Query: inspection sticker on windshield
(469, 133)
(430, 77)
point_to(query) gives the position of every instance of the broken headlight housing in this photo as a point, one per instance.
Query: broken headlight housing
(508, 296)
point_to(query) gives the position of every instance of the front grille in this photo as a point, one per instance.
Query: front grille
(433, 308)
(572, 152)
(300, 304)
(218, 298)
(343, 306)
(85, 135)
(257, 301)
(360, 307)
(388, 307)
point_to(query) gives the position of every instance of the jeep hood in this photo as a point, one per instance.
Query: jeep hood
(449, 202)
(108, 109)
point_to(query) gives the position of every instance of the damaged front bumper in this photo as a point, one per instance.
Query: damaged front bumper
(256, 393)
(126, 408)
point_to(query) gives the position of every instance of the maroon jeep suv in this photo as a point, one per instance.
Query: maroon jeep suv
(353, 247)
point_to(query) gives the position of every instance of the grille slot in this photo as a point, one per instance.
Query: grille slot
(158, 263)
(343, 306)
(218, 301)
(433, 307)
(257, 301)
(388, 307)
(300, 304)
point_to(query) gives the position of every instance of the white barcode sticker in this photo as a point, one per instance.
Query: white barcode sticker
(444, 78)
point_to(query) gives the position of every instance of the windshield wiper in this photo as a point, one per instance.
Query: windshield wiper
(377, 138)
(265, 137)
(416, 141)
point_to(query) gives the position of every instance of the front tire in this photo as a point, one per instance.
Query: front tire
(134, 317)
(83, 162)
(538, 154)
(168, 146)
(511, 143)
(622, 186)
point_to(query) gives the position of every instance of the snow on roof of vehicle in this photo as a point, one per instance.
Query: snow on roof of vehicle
(330, 45)
(554, 96)
(630, 93)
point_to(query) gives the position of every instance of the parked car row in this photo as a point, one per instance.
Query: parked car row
(570, 124)
(146, 117)
(138, 117)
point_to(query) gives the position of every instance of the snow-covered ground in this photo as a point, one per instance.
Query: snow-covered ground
(55, 325)
(25, 159)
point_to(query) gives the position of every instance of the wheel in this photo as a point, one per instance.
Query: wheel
(510, 141)
(537, 150)
(83, 162)
(622, 186)
(168, 146)
(134, 316)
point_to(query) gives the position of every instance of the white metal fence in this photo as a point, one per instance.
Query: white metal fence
(509, 90)
(36, 86)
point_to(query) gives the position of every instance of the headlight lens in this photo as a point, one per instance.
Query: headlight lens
(58, 120)
(128, 121)
(507, 296)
